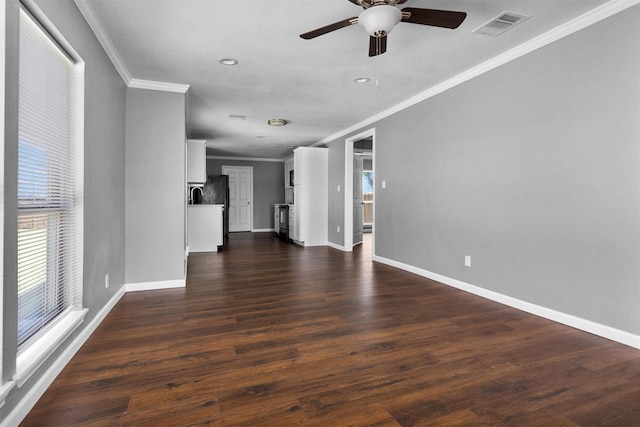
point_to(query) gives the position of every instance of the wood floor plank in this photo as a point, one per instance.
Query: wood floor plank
(271, 334)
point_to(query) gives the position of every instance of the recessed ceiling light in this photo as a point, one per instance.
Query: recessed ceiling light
(361, 80)
(237, 117)
(228, 61)
(276, 122)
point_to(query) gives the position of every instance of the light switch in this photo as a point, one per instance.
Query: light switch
(384, 184)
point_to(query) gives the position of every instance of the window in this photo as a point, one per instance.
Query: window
(50, 186)
(367, 196)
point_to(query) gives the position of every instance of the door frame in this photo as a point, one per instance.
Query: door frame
(348, 187)
(250, 169)
(357, 188)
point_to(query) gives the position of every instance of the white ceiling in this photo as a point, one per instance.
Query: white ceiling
(307, 82)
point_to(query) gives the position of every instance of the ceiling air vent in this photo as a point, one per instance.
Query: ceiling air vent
(503, 22)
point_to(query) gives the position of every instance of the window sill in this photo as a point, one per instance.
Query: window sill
(32, 357)
(4, 391)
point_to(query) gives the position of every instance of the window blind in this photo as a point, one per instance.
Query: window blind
(49, 227)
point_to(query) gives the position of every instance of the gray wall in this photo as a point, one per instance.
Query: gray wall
(532, 170)
(336, 198)
(155, 181)
(268, 187)
(104, 220)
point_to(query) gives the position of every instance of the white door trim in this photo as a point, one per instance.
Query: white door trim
(348, 187)
(358, 223)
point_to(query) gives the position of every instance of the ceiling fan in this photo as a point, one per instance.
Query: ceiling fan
(380, 16)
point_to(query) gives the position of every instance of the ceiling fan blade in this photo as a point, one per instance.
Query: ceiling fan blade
(433, 17)
(328, 28)
(369, 3)
(377, 45)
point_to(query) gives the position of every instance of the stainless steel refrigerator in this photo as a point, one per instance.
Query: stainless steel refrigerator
(216, 192)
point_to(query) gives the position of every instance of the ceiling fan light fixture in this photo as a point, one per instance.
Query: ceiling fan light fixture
(276, 122)
(379, 20)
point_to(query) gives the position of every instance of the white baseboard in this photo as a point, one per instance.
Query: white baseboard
(263, 230)
(604, 331)
(154, 286)
(27, 403)
(338, 247)
(311, 245)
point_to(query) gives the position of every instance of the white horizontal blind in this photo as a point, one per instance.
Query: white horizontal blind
(49, 260)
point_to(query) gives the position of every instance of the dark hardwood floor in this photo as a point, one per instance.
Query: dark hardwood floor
(271, 334)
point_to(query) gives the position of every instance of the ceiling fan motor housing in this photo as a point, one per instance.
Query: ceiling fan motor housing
(379, 20)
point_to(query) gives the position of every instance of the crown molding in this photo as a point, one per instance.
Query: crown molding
(151, 85)
(96, 26)
(246, 159)
(585, 20)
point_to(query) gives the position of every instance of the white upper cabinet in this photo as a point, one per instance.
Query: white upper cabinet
(196, 161)
(288, 168)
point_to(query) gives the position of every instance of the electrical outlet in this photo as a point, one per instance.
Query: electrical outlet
(106, 281)
(338, 229)
(467, 261)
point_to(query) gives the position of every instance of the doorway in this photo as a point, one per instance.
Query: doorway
(358, 202)
(240, 197)
(367, 190)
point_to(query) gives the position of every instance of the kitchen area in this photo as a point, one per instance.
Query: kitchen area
(207, 203)
(301, 218)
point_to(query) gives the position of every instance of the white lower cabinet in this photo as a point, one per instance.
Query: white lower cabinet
(205, 227)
